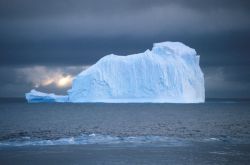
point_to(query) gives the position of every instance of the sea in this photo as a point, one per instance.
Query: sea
(214, 132)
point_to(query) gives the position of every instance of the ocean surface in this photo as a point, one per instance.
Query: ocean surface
(216, 132)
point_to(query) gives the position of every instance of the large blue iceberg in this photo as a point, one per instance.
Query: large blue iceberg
(169, 73)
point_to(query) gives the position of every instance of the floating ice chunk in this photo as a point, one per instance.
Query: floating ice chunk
(35, 96)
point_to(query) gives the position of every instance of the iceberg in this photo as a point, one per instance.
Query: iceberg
(169, 73)
(35, 96)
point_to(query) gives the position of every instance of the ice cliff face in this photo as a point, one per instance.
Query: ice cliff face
(170, 72)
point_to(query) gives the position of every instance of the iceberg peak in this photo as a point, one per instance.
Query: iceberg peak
(172, 48)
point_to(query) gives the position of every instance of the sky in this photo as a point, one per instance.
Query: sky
(44, 44)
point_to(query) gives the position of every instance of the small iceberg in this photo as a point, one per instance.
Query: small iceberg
(35, 97)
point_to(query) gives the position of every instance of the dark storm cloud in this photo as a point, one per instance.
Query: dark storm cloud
(227, 82)
(80, 32)
(34, 8)
(75, 33)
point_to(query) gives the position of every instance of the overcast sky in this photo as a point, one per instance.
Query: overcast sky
(44, 41)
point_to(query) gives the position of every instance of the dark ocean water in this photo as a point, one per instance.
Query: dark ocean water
(24, 124)
(216, 132)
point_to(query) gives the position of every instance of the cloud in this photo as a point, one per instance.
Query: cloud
(81, 32)
(168, 18)
(45, 76)
(223, 82)
(18, 80)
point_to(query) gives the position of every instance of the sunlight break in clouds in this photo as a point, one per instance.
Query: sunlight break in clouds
(61, 77)
(64, 81)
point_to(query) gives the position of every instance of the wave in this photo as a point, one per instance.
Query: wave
(94, 139)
